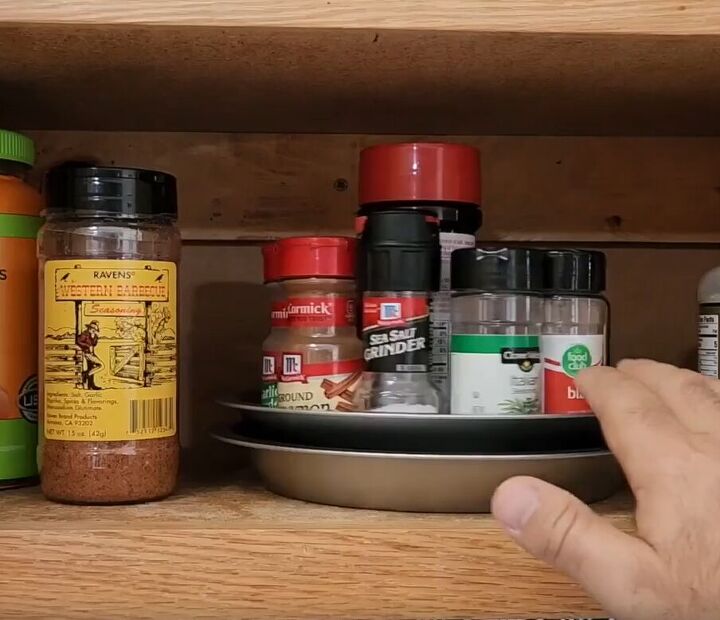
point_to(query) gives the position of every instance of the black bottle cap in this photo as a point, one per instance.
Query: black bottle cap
(580, 272)
(102, 191)
(508, 269)
(400, 251)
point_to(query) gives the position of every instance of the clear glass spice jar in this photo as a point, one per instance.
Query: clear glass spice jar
(108, 359)
(497, 314)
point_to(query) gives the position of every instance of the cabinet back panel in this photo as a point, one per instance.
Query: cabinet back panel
(257, 186)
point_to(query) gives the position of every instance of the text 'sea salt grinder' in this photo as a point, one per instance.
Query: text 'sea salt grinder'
(400, 260)
(443, 179)
(497, 314)
(575, 328)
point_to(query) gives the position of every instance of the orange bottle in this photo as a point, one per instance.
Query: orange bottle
(20, 207)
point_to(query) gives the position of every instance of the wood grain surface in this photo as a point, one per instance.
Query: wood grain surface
(258, 186)
(641, 16)
(227, 551)
(175, 78)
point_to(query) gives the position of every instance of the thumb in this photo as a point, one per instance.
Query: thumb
(618, 570)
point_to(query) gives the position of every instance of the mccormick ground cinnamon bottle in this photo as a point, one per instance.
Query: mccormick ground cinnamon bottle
(320, 355)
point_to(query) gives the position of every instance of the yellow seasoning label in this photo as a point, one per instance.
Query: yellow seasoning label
(110, 343)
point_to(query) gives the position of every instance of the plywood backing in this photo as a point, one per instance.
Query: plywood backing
(258, 186)
(367, 80)
(644, 16)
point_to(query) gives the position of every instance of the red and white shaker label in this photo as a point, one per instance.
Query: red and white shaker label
(304, 312)
(564, 356)
(328, 386)
(278, 314)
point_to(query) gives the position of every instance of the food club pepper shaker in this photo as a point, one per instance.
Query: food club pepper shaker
(575, 328)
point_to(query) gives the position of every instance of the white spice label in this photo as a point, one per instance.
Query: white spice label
(708, 340)
(564, 356)
(440, 309)
(495, 374)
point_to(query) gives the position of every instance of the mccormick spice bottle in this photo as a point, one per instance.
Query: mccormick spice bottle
(575, 328)
(20, 207)
(400, 256)
(272, 345)
(109, 331)
(445, 180)
(320, 356)
(497, 314)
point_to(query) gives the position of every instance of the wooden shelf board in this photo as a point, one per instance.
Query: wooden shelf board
(227, 549)
(254, 187)
(642, 16)
(361, 80)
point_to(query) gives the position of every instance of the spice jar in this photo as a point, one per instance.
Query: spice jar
(400, 256)
(320, 354)
(443, 179)
(20, 208)
(709, 324)
(497, 314)
(109, 251)
(272, 345)
(574, 333)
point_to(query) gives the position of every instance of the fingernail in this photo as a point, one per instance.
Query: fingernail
(514, 504)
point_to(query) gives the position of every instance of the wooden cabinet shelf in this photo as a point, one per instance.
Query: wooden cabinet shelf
(233, 550)
(450, 67)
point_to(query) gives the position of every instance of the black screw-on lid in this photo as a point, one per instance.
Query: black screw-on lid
(575, 271)
(103, 191)
(400, 251)
(507, 269)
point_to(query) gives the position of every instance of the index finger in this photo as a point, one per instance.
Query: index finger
(637, 425)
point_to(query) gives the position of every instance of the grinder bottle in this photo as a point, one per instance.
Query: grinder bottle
(400, 260)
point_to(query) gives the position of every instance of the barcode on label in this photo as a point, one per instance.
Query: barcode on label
(152, 415)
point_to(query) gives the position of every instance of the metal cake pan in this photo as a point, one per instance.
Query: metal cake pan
(461, 483)
(421, 433)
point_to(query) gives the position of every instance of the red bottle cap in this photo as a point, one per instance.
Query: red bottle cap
(271, 262)
(421, 171)
(309, 257)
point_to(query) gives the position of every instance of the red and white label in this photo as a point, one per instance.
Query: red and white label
(393, 311)
(303, 312)
(278, 314)
(327, 386)
(563, 358)
(270, 366)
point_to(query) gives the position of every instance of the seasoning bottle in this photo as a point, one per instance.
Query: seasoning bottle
(709, 324)
(445, 180)
(20, 207)
(320, 353)
(109, 251)
(574, 333)
(497, 314)
(400, 256)
(278, 324)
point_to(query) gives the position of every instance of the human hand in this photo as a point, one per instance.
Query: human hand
(663, 424)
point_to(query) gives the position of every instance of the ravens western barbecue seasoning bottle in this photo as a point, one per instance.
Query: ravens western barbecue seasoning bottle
(320, 355)
(575, 328)
(445, 180)
(20, 207)
(399, 257)
(108, 285)
(497, 314)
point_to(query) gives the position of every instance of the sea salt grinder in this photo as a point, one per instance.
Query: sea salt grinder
(400, 266)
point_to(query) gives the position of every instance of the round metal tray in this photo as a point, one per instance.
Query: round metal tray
(418, 482)
(421, 433)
